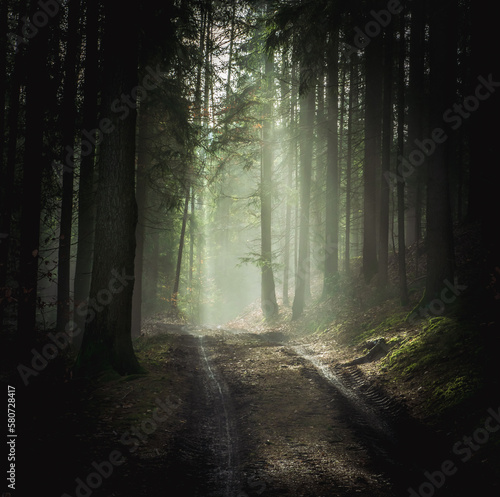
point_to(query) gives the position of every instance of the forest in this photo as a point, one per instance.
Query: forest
(260, 232)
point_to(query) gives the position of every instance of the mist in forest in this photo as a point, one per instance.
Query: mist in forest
(306, 165)
(232, 234)
(193, 160)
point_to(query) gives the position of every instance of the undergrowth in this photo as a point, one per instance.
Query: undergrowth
(443, 358)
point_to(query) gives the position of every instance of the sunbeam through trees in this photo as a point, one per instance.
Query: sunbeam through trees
(302, 180)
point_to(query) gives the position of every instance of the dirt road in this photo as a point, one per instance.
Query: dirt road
(228, 413)
(268, 417)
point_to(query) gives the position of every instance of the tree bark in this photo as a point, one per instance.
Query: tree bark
(415, 118)
(291, 152)
(350, 117)
(372, 159)
(4, 12)
(331, 249)
(269, 304)
(37, 94)
(307, 102)
(86, 185)
(386, 156)
(483, 177)
(192, 232)
(403, 287)
(8, 170)
(151, 269)
(107, 340)
(68, 142)
(143, 163)
(288, 214)
(6, 174)
(341, 153)
(440, 259)
(177, 279)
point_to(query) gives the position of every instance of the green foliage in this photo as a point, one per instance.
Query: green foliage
(443, 358)
(454, 391)
(257, 260)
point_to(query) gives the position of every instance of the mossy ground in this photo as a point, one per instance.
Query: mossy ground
(436, 364)
(442, 361)
(443, 367)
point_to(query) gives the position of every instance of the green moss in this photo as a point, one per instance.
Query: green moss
(457, 387)
(409, 369)
(375, 330)
(442, 359)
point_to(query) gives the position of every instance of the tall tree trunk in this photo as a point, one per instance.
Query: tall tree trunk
(107, 340)
(296, 152)
(143, 164)
(331, 249)
(372, 159)
(151, 269)
(291, 151)
(483, 179)
(192, 232)
(415, 118)
(86, 185)
(307, 101)
(68, 142)
(341, 153)
(439, 223)
(4, 12)
(7, 170)
(319, 174)
(403, 287)
(198, 122)
(357, 133)
(37, 94)
(386, 156)
(6, 175)
(350, 117)
(206, 65)
(268, 293)
(175, 291)
(288, 234)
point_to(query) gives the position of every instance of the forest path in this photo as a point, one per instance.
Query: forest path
(229, 413)
(267, 417)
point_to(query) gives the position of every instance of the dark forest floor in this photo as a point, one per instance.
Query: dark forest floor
(278, 409)
(228, 412)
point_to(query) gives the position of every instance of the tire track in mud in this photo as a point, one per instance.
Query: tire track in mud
(296, 440)
(398, 446)
(204, 455)
(366, 409)
(269, 417)
(226, 474)
(402, 447)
